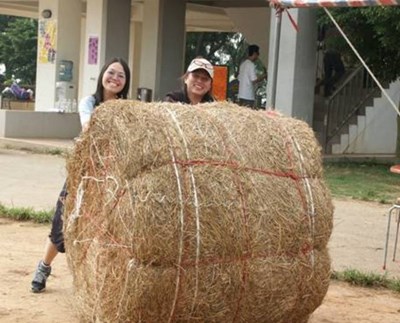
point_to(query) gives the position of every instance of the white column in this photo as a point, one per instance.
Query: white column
(297, 64)
(58, 39)
(107, 36)
(135, 55)
(163, 42)
(94, 42)
(150, 44)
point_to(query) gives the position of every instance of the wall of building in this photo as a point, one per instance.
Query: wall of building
(65, 22)
(34, 124)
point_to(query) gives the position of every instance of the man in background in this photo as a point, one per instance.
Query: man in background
(248, 78)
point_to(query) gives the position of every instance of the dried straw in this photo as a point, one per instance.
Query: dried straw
(209, 213)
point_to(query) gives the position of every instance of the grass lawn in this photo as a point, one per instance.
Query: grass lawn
(25, 214)
(363, 181)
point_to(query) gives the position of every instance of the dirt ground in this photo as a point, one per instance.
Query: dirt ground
(20, 250)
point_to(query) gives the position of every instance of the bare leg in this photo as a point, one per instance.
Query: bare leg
(50, 252)
(52, 246)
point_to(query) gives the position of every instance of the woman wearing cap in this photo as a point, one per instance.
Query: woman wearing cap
(197, 84)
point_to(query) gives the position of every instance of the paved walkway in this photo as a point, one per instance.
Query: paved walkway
(30, 180)
(34, 180)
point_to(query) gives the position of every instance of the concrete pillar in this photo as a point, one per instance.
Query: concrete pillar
(135, 49)
(107, 36)
(135, 55)
(58, 39)
(117, 29)
(163, 42)
(297, 64)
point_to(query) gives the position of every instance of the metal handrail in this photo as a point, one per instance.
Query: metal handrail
(350, 96)
(347, 80)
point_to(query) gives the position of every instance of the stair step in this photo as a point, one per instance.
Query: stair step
(336, 149)
(353, 119)
(344, 142)
(361, 123)
(353, 134)
(359, 90)
(335, 140)
(361, 111)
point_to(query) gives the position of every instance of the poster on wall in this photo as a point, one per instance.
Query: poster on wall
(93, 50)
(47, 46)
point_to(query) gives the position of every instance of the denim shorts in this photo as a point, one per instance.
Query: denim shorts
(56, 234)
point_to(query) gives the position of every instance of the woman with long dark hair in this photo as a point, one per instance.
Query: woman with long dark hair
(113, 83)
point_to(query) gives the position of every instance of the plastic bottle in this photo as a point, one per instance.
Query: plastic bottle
(74, 106)
(68, 107)
(62, 106)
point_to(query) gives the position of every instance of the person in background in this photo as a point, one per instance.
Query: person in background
(333, 69)
(17, 92)
(113, 83)
(248, 78)
(196, 84)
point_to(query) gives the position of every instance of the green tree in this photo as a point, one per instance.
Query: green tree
(5, 20)
(18, 48)
(220, 48)
(375, 33)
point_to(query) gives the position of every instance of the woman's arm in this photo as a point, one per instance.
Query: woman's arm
(86, 107)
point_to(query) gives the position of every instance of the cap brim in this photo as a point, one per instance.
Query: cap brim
(203, 69)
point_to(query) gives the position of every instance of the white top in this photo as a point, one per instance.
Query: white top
(247, 75)
(86, 107)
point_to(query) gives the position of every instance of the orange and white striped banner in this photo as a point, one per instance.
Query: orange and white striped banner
(334, 3)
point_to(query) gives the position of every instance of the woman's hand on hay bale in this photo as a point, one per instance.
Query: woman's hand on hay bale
(85, 126)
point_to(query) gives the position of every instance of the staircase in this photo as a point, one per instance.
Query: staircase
(341, 119)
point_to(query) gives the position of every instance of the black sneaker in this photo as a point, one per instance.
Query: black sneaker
(39, 279)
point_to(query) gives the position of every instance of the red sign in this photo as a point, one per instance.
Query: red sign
(220, 82)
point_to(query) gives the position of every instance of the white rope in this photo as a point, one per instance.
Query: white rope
(78, 203)
(309, 196)
(196, 204)
(363, 62)
(181, 218)
(131, 265)
(75, 214)
(114, 192)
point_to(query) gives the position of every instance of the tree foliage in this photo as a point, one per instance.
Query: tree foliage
(5, 20)
(18, 48)
(375, 33)
(220, 48)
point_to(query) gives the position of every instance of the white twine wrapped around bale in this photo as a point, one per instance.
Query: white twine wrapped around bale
(209, 213)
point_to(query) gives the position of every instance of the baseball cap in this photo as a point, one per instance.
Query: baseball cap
(203, 64)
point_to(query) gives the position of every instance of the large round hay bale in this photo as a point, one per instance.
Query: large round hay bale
(209, 213)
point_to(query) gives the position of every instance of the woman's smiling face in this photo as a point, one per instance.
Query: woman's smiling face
(198, 83)
(114, 79)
